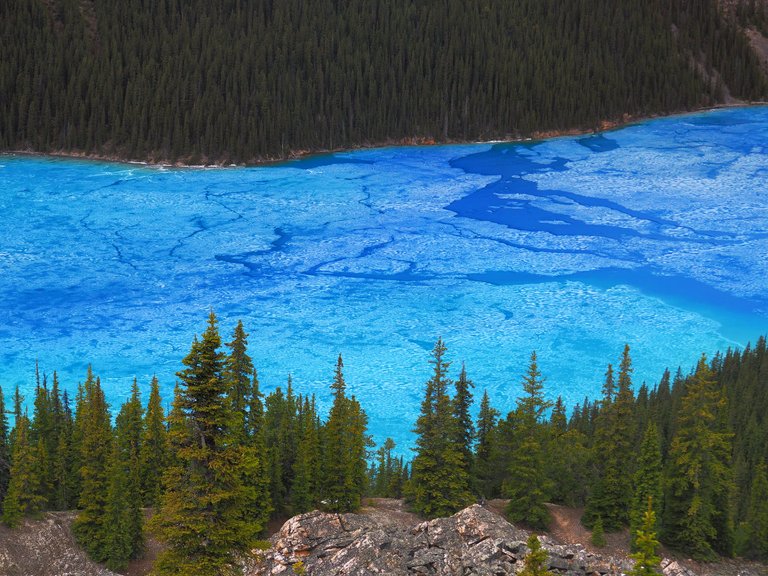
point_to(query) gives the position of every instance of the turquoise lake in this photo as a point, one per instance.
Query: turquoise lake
(655, 235)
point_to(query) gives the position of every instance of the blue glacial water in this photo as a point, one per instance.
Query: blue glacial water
(654, 235)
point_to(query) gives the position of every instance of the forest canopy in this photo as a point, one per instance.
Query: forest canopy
(243, 81)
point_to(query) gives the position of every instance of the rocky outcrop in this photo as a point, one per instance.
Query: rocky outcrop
(45, 547)
(473, 542)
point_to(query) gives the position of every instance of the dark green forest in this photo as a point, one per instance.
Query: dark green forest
(252, 80)
(684, 459)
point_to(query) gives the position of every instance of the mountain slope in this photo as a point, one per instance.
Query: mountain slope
(250, 80)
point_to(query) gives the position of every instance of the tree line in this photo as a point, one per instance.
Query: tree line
(214, 470)
(243, 81)
(685, 459)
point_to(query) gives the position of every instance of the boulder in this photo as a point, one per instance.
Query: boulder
(472, 542)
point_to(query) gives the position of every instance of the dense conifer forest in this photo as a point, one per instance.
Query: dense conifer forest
(685, 459)
(249, 80)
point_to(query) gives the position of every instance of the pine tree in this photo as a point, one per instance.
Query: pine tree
(58, 444)
(697, 515)
(117, 532)
(277, 418)
(647, 482)
(41, 434)
(238, 370)
(66, 475)
(610, 498)
(95, 450)
(23, 495)
(345, 441)
(260, 479)
(527, 485)
(646, 560)
(305, 490)
(757, 519)
(18, 402)
(535, 562)
(123, 537)
(153, 456)
(486, 470)
(598, 534)
(201, 517)
(462, 404)
(439, 483)
(5, 455)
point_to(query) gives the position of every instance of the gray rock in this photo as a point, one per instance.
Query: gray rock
(472, 542)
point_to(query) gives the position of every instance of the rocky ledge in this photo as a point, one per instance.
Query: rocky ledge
(473, 542)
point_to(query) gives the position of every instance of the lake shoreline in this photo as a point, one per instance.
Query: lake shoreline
(418, 141)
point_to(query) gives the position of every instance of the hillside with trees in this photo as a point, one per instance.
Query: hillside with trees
(685, 459)
(247, 81)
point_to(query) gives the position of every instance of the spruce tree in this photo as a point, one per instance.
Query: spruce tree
(117, 530)
(535, 562)
(698, 478)
(462, 405)
(123, 537)
(278, 441)
(305, 490)
(201, 516)
(527, 484)
(238, 370)
(647, 482)
(757, 519)
(95, 450)
(439, 483)
(567, 459)
(5, 455)
(610, 498)
(59, 449)
(646, 560)
(257, 439)
(23, 496)
(42, 434)
(597, 538)
(66, 474)
(486, 471)
(153, 455)
(345, 441)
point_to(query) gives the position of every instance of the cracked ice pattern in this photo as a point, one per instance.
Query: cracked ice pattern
(654, 235)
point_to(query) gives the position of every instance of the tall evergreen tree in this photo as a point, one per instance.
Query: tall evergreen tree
(95, 450)
(5, 455)
(757, 519)
(345, 442)
(610, 498)
(238, 371)
(439, 483)
(201, 517)
(647, 482)
(42, 435)
(486, 470)
(23, 496)
(527, 484)
(646, 560)
(462, 405)
(305, 491)
(698, 479)
(123, 536)
(153, 456)
(260, 479)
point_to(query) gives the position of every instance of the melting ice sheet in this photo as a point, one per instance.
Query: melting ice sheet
(655, 235)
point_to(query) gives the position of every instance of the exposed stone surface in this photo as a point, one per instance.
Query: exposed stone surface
(45, 548)
(473, 542)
